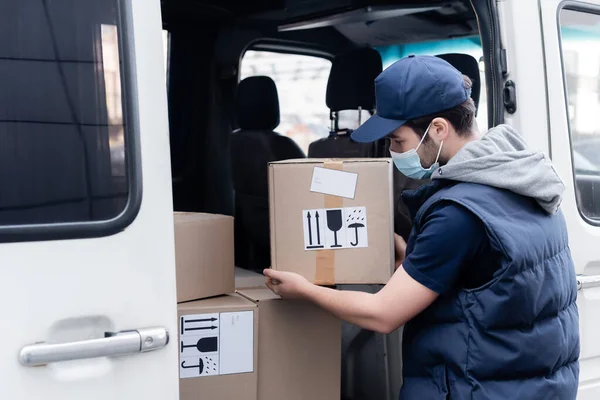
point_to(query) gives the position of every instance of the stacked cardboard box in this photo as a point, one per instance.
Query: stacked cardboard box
(248, 345)
(203, 255)
(299, 349)
(218, 344)
(217, 329)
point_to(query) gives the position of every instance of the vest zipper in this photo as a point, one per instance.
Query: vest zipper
(448, 395)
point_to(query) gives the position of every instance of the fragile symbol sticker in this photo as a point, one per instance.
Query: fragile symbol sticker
(335, 228)
(216, 344)
(314, 229)
(193, 367)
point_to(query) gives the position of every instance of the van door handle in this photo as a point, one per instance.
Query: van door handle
(587, 281)
(114, 344)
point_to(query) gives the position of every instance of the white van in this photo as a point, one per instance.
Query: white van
(94, 159)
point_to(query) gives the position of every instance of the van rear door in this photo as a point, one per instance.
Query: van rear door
(571, 33)
(87, 275)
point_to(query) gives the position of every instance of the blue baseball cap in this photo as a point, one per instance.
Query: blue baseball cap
(412, 87)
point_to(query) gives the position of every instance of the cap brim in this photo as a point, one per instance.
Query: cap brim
(376, 128)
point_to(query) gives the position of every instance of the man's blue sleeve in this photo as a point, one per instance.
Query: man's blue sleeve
(450, 239)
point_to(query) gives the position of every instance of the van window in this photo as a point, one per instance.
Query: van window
(302, 84)
(580, 46)
(63, 139)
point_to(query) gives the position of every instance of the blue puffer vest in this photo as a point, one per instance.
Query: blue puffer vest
(516, 337)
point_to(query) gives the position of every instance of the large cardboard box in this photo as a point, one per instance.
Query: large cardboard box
(218, 339)
(299, 349)
(332, 220)
(204, 255)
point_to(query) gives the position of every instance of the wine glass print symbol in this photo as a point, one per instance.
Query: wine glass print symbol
(358, 217)
(203, 345)
(334, 223)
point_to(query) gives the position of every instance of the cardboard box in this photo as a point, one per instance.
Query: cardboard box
(204, 255)
(218, 339)
(332, 220)
(248, 279)
(299, 349)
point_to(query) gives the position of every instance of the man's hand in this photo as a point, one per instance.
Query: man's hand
(398, 302)
(288, 285)
(400, 250)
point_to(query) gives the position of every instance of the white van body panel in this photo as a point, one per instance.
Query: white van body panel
(584, 238)
(531, 36)
(71, 290)
(521, 37)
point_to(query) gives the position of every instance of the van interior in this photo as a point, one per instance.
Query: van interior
(255, 82)
(302, 69)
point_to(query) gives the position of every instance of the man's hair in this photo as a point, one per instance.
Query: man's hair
(461, 117)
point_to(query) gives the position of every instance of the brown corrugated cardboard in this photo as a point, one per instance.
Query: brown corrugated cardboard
(299, 349)
(204, 255)
(218, 339)
(300, 240)
(248, 279)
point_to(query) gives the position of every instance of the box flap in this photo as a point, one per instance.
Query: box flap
(258, 294)
(226, 302)
(324, 160)
(248, 279)
(183, 216)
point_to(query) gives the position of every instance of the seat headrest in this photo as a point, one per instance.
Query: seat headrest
(352, 80)
(257, 103)
(469, 66)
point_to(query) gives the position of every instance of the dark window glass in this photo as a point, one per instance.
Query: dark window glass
(62, 125)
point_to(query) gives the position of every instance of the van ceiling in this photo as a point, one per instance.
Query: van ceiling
(453, 20)
(363, 22)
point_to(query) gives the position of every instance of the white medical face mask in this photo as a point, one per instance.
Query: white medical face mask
(409, 163)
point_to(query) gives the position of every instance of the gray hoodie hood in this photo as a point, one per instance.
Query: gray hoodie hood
(501, 159)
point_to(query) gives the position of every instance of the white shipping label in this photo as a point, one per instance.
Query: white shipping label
(216, 344)
(335, 228)
(334, 182)
(237, 342)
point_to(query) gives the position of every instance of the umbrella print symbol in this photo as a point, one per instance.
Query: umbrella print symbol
(356, 216)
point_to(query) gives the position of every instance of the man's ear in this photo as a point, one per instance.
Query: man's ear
(440, 129)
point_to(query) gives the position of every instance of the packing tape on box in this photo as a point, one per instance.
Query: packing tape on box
(325, 263)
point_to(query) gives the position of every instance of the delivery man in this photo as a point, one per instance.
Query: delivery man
(486, 285)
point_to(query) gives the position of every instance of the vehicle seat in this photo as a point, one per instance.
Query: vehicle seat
(253, 146)
(469, 66)
(351, 86)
